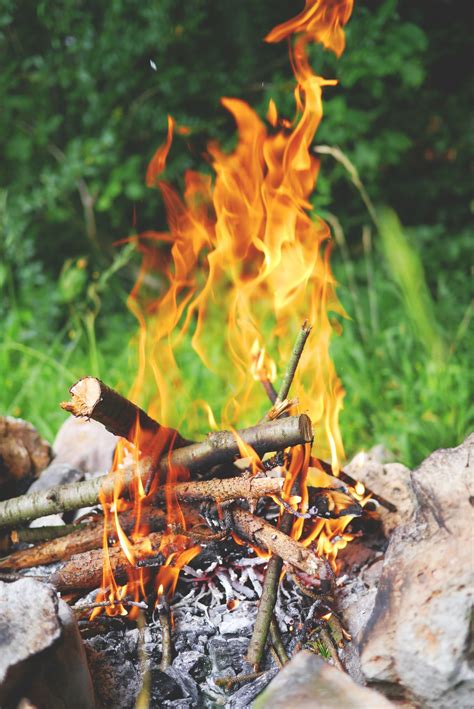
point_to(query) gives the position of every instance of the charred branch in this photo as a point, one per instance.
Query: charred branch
(82, 538)
(262, 534)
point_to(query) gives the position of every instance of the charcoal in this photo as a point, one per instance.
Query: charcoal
(228, 652)
(115, 669)
(240, 621)
(193, 663)
(163, 687)
(189, 687)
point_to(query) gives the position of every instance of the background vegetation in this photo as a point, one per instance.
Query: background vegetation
(85, 88)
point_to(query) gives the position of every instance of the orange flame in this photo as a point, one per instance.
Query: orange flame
(244, 261)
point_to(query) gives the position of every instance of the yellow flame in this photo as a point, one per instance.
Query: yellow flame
(244, 261)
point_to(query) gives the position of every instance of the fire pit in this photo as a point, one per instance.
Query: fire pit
(196, 569)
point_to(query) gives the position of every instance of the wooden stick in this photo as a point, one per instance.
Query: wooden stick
(219, 447)
(222, 490)
(83, 538)
(265, 612)
(272, 576)
(296, 353)
(31, 535)
(92, 399)
(277, 642)
(164, 615)
(264, 535)
(85, 571)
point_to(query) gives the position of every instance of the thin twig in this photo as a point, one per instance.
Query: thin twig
(277, 642)
(329, 644)
(295, 357)
(272, 576)
(109, 604)
(164, 615)
(276, 657)
(228, 682)
(265, 612)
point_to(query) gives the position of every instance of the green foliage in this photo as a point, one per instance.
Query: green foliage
(85, 89)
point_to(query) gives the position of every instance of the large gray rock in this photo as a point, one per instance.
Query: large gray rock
(308, 682)
(42, 658)
(416, 643)
(29, 624)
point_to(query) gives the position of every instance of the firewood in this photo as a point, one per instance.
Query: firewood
(86, 537)
(264, 535)
(92, 399)
(85, 571)
(56, 549)
(219, 447)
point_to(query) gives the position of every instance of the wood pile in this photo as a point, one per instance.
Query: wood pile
(192, 494)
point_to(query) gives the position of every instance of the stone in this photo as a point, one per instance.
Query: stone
(29, 624)
(56, 474)
(308, 682)
(65, 660)
(42, 658)
(391, 480)
(23, 455)
(416, 642)
(84, 445)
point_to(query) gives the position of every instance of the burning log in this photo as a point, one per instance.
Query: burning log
(219, 447)
(86, 537)
(92, 399)
(264, 535)
(84, 571)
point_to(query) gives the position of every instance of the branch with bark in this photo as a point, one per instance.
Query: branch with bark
(92, 399)
(219, 447)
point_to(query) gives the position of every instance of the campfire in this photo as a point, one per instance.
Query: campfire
(254, 521)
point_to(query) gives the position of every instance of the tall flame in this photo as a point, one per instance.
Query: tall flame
(245, 261)
(248, 260)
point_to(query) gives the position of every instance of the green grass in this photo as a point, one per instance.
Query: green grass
(403, 357)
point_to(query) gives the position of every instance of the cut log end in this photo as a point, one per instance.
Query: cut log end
(306, 428)
(86, 394)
